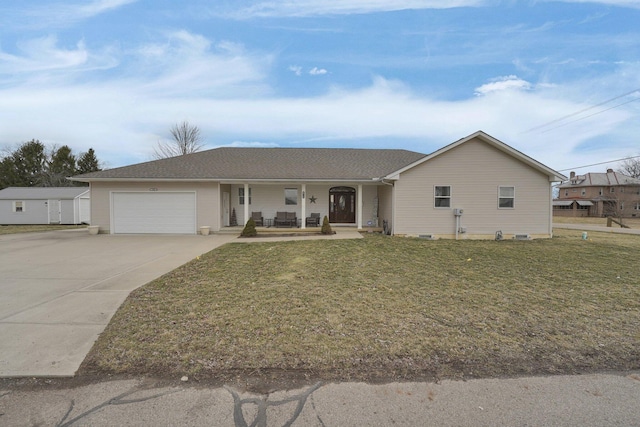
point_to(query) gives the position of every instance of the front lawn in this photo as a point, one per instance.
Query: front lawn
(630, 222)
(384, 308)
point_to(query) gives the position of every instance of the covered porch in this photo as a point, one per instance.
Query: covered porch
(345, 204)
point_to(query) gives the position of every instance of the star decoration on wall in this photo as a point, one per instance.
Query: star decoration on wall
(312, 199)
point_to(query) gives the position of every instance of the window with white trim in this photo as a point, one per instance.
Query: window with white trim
(637, 206)
(584, 192)
(241, 195)
(506, 197)
(442, 196)
(18, 206)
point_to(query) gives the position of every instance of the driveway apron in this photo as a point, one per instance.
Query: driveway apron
(58, 291)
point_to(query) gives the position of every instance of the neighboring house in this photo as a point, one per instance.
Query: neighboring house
(491, 186)
(597, 195)
(44, 205)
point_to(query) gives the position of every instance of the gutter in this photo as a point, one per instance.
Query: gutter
(226, 180)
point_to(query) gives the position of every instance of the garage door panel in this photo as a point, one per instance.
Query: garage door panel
(154, 213)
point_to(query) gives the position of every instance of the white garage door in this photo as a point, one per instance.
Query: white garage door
(156, 213)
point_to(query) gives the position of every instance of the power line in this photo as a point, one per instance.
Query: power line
(585, 110)
(601, 163)
(590, 115)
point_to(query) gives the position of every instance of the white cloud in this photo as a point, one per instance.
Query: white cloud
(249, 144)
(305, 8)
(222, 87)
(99, 6)
(187, 63)
(503, 83)
(42, 54)
(57, 14)
(315, 71)
(297, 70)
(620, 3)
(43, 59)
(300, 8)
(120, 118)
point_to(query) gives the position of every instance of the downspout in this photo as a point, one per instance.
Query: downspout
(551, 210)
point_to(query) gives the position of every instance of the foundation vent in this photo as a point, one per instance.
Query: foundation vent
(427, 236)
(522, 237)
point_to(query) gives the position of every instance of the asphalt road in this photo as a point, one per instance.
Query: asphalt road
(586, 400)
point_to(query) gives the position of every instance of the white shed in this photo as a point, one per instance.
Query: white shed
(45, 205)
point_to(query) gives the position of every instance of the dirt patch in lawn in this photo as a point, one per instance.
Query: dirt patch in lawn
(383, 309)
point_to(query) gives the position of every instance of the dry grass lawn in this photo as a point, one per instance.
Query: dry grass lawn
(631, 222)
(384, 308)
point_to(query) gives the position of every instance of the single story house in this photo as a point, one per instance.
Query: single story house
(472, 188)
(45, 205)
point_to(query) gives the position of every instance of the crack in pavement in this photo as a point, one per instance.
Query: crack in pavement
(118, 400)
(263, 404)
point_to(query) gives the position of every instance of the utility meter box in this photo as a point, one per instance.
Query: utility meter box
(458, 212)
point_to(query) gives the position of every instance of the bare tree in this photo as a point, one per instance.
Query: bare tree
(630, 167)
(186, 140)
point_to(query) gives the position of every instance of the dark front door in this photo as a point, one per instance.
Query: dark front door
(342, 205)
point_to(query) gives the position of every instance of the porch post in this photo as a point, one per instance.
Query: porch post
(246, 204)
(303, 210)
(359, 205)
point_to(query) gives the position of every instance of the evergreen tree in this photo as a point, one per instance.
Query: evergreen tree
(25, 166)
(32, 165)
(326, 227)
(61, 165)
(249, 230)
(88, 162)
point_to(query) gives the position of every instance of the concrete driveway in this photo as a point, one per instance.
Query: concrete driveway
(58, 291)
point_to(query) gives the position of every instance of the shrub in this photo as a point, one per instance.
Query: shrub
(326, 227)
(249, 230)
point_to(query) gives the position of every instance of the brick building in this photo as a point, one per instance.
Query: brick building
(598, 195)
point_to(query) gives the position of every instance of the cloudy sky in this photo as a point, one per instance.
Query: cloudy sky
(558, 80)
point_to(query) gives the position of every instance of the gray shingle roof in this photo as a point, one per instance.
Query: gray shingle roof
(229, 163)
(594, 179)
(41, 193)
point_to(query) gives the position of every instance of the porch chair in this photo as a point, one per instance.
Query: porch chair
(257, 218)
(280, 219)
(292, 219)
(313, 220)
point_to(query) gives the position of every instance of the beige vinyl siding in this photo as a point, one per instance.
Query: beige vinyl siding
(474, 170)
(207, 200)
(385, 197)
(369, 193)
